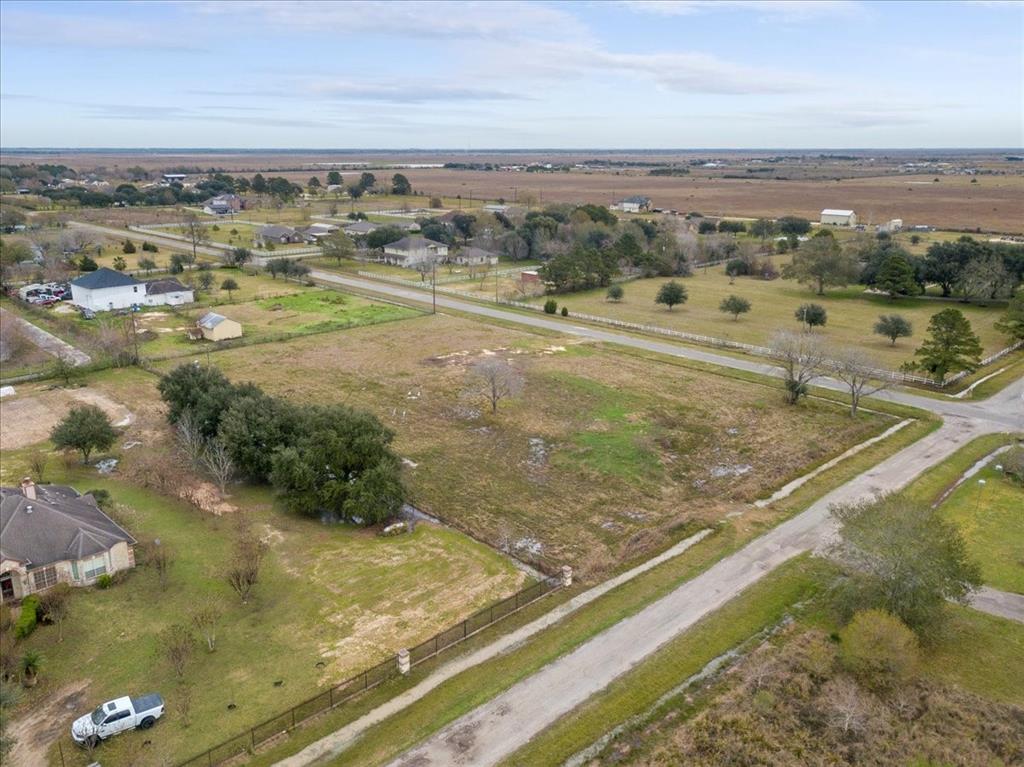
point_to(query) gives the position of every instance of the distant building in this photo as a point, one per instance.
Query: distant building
(173, 178)
(892, 226)
(411, 251)
(835, 217)
(314, 232)
(169, 292)
(223, 204)
(470, 256)
(634, 204)
(51, 534)
(361, 228)
(277, 235)
(493, 208)
(217, 327)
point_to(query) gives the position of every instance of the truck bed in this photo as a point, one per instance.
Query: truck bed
(148, 702)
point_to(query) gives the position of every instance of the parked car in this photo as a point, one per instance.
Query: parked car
(118, 715)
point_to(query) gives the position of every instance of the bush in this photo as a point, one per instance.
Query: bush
(879, 649)
(105, 581)
(102, 497)
(26, 622)
(550, 306)
(615, 293)
(565, 311)
(737, 267)
(1013, 464)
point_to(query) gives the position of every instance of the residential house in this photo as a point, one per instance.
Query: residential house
(471, 256)
(361, 228)
(411, 251)
(496, 208)
(314, 232)
(173, 178)
(835, 217)
(169, 292)
(106, 289)
(277, 235)
(634, 204)
(217, 327)
(223, 204)
(51, 534)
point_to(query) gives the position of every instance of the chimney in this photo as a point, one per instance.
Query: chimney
(28, 488)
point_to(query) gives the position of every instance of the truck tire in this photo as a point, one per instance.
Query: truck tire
(146, 723)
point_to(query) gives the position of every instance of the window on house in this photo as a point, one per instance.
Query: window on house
(95, 568)
(44, 578)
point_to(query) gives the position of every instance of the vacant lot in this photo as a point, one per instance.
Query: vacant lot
(851, 312)
(597, 459)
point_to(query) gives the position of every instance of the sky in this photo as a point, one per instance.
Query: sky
(475, 75)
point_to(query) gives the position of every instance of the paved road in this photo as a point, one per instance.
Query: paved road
(156, 239)
(940, 406)
(1001, 603)
(499, 727)
(46, 341)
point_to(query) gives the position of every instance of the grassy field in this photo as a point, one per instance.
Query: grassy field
(590, 463)
(851, 312)
(331, 600)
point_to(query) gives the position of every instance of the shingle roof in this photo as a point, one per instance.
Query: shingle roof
(275, 230)
(104, 278)
(413, 243)
(166, 285)
(61, 525)
(362, 227)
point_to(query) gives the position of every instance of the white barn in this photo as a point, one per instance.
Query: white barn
(836, 217)
(106, 289)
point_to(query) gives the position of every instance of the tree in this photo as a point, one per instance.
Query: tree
(894, 326)
(120, 264)
(177, 644)
(950, 346)
(195, 233)
(218, 463)
(1012, 322)
(811, 315)
(85, 428)
(763, 228)
(822, 263)
(793, 225)
(54, 606)
(147, 264)
(986, 277)
(177, 264)
(253, 426)
(128, 248)
(879, 649)
(944, 262)
(340, 464)
(400, 185)
(859, 372)
(896, 277)
(86, 264)
(904, 557)
(615, 293)
(205, 279)
(202, 392)
(243, 572)
(313, 183)
(550, 306)
(801, 356)
(205, 618)
(386, 235)
(161, 558)
(338, 246)
(436, 202)
(495, 379)
(333, 178)
(37, 461)
(259, 184)
(734, 305)
(230, 286)
(238, 257)
(367, 181)
(64, 369)
(671, 294)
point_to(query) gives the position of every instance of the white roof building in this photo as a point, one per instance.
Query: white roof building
(838, 217)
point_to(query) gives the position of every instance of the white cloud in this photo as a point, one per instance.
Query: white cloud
(40, 29)
(792, 9)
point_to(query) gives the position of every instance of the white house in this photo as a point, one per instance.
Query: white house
(634, 204)
(410, 251)
(471, 256)
(835, 217)
(314, 232)
(107, 289)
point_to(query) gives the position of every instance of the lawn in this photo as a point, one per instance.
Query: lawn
(331, 600)
(601, 458)
(851, 312)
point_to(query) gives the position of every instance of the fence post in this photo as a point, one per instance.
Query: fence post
(403, 661)
(252, 735)
(566, 576)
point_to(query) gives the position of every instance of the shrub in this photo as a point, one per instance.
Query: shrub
(105, 581)
(26, 622)
(102, 497)
(565, 311)
(615, 293)
(550, 306)
(879, 649)
(1013, 464)
(737, 267)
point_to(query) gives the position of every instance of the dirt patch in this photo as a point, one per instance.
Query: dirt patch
(29, 416)
(44, 723)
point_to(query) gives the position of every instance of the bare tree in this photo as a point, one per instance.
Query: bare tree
(205, 618)
(54, 606)
(177, 644)
(801, 356)
(218, 463)
(37, 461)
(848, 711)
(196, 233)
(161, 558)
(185, 703)
(495, 379)
(244, 569)
(189, 438)
(859, 373)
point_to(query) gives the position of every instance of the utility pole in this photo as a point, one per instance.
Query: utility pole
(433, 284)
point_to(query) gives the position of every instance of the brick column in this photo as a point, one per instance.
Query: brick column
(566, 576)
(403, 662)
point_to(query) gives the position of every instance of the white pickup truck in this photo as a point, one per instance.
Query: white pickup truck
(116, 716)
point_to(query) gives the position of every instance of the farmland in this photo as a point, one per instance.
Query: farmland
(591, 465)
(851, 312)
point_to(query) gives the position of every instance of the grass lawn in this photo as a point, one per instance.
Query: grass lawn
(851, 312)
(331, 601)
(985, 507)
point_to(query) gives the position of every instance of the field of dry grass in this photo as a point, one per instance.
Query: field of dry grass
(598, 459)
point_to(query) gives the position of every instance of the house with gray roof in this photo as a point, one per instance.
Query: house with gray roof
(412, 251)
(635, 204)
(106, 289)
(51, 534)
(275, 234)
(473, 256)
